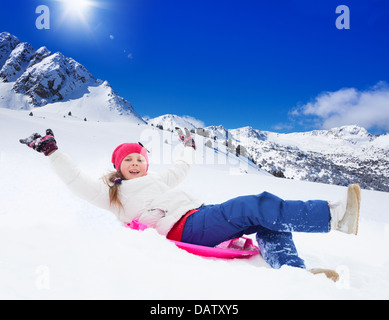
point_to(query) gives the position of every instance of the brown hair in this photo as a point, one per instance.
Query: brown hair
(114, 188)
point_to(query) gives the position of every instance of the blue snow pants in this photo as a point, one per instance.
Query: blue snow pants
(271, 218)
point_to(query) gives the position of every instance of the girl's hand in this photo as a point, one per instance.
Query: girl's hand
(186, 138)
(47, 144)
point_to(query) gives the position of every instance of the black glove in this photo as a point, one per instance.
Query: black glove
(46, 144)
(186, 138)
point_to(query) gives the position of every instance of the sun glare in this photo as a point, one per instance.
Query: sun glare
(79, 7)
(77, 10)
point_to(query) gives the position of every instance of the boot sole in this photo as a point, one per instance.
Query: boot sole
(357, 191)
(330, 274)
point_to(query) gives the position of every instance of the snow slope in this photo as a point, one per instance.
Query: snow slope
(170, 121)
(55, 246)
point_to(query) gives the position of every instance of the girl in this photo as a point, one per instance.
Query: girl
(132, 193)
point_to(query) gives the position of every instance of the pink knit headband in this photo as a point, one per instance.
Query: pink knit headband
(124, 150)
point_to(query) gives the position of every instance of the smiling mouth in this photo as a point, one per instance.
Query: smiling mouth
(134, 171)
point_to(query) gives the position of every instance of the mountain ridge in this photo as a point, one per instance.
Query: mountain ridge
(341, 156)
(50, 83)
(39, 78)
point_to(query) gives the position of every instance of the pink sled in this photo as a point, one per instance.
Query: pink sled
(237, 248)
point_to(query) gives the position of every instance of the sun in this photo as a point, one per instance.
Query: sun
(77, 9)
(77, 5)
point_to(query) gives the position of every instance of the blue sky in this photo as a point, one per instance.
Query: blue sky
(274, 65)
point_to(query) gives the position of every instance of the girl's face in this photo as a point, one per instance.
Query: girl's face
(133, 166)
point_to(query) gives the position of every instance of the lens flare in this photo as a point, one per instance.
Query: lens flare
(77, 10)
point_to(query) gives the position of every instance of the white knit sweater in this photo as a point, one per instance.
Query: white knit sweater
(150, 199)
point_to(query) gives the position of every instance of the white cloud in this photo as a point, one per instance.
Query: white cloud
(196, 122)
(369, 109)
(282, 126)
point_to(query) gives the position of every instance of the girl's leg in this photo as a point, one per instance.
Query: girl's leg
(278, 249)
(242, 215)
(272, 218)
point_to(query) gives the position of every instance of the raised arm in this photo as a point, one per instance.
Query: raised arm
(80, 184)
(177, 173)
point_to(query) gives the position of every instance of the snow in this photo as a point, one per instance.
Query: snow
(56, 246)
(9, 98)
(95, 101)
(170, 121)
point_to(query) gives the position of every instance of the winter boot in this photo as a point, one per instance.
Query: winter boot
(345, 213)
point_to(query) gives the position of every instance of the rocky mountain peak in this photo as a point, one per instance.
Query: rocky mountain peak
(17, 62)
(35, 78)
(8, 42)
(52, 79)
(39, 55)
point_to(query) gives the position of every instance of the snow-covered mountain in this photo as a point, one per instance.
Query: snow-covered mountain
(170, 121)
(341, 156)
(344, 155)
(32, 78)
(47, 83)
